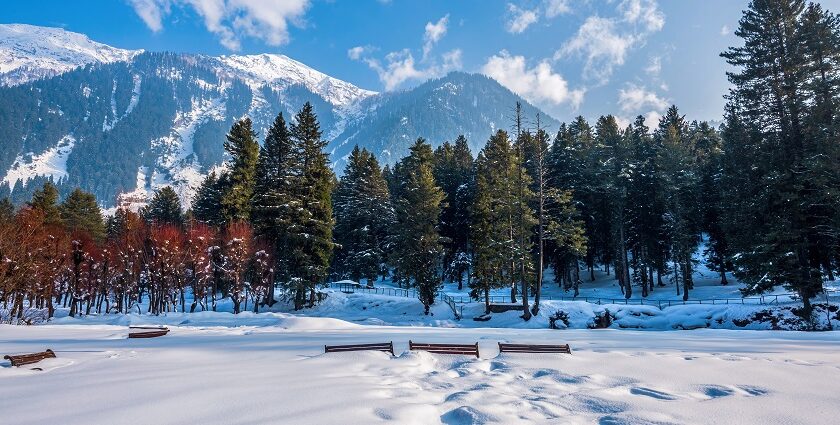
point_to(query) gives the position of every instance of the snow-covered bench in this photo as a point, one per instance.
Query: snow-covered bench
(467, 349)
(533, 348)
(24, 359)
(147, 331)
(387, 347)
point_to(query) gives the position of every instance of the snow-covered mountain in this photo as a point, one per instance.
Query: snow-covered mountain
(133, 122)
(280, 72)
(29, 52)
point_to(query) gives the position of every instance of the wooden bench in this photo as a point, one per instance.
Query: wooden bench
(533, 348)
(387, 347)
(468, 349)
(24, 359)
(147, 331)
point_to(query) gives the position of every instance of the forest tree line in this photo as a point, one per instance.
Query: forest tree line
(764, 188)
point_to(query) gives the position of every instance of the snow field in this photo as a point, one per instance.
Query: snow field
(277, 373)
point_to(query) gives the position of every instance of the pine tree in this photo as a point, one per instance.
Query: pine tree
(523, 199)
(275, 175)
(7, 211)
(821, 44)
(417, 246)
(46, 201)
(273, 203)
(569, 170)
(80, 213)
(311, 228)
(784, 99)
(363, 215)
(680, 187)
(501, 240)
(607, 138)
(238, 182)
(463, 209)
(535, 153)
(645, 226)
(707, 143)
(620, 182)
(206, 202)
(164, 208)
(453, 168)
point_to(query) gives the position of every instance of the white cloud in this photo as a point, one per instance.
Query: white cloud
(605, 41)
(539, 84)
(151, 12)
(654, 67)
(652, 118)
(555, 8)
(231, 20)
(600, 43)
(357, 52)
(644, 12)
(635, 98)
(400, 66)
(520, 19)
(724, 30)
(452, 60)
(434, 32)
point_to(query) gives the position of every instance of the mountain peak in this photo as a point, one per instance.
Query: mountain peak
(29, 52)
(281, 70)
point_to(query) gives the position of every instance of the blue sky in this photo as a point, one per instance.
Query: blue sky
(570, 57)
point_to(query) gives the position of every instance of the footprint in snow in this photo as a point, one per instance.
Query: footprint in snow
(647, 392)
(631, 420)
(753, 391)
(592, 404)
(716, 391)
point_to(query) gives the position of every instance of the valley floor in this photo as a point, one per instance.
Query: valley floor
(275, 371)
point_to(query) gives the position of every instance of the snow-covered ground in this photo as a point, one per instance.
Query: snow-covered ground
(269, 367)
(272, 369)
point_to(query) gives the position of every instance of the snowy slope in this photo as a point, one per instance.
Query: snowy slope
(50, 163)
(29, 52)
(280, 72)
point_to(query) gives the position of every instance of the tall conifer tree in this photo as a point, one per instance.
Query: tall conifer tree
(311, 228)
(417, 246)
(238, 181)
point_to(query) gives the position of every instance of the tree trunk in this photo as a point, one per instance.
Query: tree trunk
(650, 279)
(625, 270)
(513, 293)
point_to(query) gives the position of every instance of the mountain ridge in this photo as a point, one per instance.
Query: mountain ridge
(132, 126)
